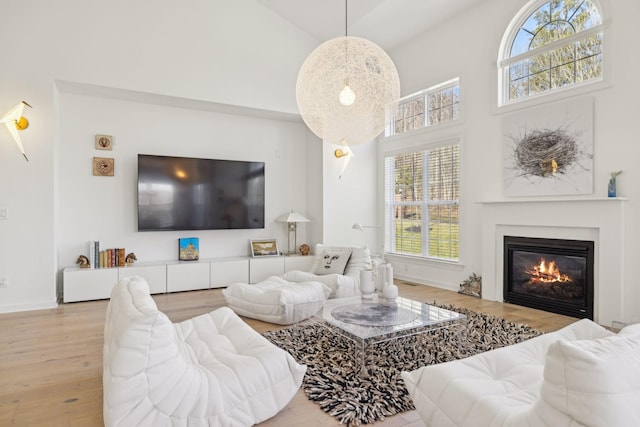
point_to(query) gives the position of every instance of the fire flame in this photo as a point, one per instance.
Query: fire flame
(547, 272)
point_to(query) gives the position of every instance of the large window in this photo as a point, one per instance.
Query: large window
(422, 191)
(554, 45)
(430, 107)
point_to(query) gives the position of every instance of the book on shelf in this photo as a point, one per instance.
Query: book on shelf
(94, 254)
(97, 253)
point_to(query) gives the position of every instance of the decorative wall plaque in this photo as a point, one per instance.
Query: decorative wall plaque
(103, 166)
(104, 142)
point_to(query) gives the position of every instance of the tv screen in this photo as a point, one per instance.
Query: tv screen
(179, 193)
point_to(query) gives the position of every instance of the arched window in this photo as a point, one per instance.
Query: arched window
(549, 46)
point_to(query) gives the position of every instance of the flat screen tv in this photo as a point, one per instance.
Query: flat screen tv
(180, 193)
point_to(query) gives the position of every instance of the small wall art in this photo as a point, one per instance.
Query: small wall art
(189, 249)
(103, 166)
(264, 247)
(548, 150)
(104, 142)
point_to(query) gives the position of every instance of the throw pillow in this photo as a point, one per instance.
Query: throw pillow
(596, 382)
(332, 262)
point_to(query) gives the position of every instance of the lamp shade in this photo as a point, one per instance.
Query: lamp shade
(292, 217)
(347, 90)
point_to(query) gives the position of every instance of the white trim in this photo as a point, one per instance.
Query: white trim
(42, 305)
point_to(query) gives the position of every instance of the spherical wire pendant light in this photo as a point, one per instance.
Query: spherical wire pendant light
(347, 90)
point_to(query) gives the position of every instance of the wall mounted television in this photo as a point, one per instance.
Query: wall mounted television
(182, 193)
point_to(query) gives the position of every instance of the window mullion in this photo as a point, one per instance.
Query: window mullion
(424, 224)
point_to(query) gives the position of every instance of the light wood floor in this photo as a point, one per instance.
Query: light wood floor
(51, 360)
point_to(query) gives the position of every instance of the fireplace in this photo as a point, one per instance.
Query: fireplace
(554, 275)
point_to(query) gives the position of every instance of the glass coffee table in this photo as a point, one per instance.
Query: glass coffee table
(367, 322)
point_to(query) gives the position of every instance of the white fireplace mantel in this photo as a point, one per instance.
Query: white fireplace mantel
(600, 220)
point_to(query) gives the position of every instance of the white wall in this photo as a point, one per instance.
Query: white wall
(350, 198)
(105, 208)
(235, 53)
(467, 46)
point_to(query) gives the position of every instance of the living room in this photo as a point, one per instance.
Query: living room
(177, 101)
(218, 80)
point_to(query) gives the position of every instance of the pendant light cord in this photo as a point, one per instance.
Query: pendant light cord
(346, 2)
(346, 43)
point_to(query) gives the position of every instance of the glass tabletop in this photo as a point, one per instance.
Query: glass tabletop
(378, 317)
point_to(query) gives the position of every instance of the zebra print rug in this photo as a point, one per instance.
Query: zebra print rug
(333, 383)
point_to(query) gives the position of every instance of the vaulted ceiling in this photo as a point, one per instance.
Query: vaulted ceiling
(387, 23)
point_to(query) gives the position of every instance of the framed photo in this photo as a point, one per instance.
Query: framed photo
(264, 247)
(103, 166)
(104, 142)
(188, 249)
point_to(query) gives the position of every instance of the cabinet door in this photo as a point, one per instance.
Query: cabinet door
(226, 272)
(261, 268)
(85, 284)
(187, 276)
(155, 275)
(298, 262)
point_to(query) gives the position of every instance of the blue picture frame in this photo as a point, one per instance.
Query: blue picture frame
(189, 249)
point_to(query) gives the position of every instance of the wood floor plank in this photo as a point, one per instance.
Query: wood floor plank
(51, 360)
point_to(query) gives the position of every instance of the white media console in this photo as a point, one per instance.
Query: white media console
(83, 284)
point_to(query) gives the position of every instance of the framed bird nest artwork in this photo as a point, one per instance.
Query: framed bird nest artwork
(548, 151)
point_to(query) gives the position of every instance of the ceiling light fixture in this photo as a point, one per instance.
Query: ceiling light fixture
(347, 90)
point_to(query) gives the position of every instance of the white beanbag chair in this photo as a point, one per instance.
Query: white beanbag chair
(580, 375)
(212, 370)
(342, 284)
(276, 300)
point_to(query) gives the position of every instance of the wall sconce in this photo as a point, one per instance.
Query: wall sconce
(292, 219)
(339, 153)
(15, 122)
(344, 154)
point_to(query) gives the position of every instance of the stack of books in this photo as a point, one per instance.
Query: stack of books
(105, 258)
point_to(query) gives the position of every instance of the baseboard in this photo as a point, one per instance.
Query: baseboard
(43, 305)
(422, 281)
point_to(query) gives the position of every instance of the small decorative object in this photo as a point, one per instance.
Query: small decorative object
(390, 290)
(129, 259)
(381, 277)
(103, 166)
(472, 286)
(304, 249)
(189, 249)
(611, 187)
(367, 286)
(83, 261)
(264, 247)
(104, 142)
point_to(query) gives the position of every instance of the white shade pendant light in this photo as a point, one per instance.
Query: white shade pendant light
(347, 90)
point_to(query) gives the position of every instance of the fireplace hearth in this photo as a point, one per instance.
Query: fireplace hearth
(554, 275)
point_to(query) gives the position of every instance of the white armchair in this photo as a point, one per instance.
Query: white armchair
(580, 375)
(341, 285)
(212, 370)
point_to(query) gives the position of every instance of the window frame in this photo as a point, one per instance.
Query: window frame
(505, 60)
(389, 228)
(390, 131)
